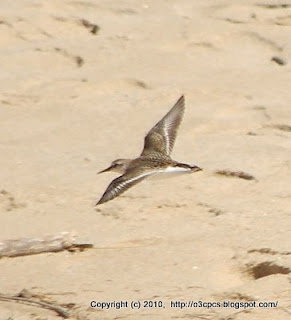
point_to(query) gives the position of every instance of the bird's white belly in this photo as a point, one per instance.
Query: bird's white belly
(169, 172)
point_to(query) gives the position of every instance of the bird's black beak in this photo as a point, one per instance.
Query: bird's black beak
(105, 170)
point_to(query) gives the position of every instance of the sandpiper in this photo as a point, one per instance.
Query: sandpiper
(154, 159)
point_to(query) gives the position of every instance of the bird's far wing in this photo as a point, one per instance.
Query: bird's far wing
(123, 183)
(162, 136)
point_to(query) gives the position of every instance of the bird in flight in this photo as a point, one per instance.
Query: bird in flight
(155, 158)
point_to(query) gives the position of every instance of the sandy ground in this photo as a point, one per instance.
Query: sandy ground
(82, 82)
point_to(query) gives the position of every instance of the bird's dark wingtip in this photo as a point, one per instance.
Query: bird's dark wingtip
(101, 201)
(182, 98)
(196, 169)
(180, 102)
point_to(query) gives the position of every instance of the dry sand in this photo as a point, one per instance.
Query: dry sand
(81, 84)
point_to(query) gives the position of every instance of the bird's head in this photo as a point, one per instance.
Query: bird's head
(119, 165)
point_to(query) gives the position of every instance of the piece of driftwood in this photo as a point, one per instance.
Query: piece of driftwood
(236, 174)
(21, 297)
(282, 127)
(48, 243)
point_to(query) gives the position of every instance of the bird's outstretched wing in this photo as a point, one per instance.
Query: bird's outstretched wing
(123, 183)
(162, 136)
